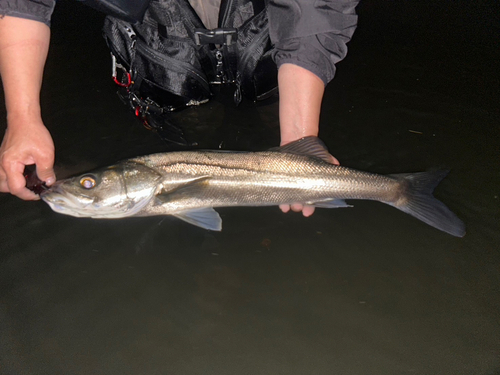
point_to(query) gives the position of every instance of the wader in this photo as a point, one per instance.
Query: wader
(182, 50)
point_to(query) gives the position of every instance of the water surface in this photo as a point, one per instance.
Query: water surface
(366, 290)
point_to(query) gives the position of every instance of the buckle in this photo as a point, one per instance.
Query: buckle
(114, 73)
(223, 36)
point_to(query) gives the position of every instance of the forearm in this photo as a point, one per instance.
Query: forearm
(23, 50)
(301, 93)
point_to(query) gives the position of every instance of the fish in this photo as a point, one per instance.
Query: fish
(190, 184)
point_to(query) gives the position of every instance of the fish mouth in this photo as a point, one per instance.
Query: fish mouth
(66, 203)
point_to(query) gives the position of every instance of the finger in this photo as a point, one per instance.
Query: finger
(4, 187)
(23, 193)
(308, 210)
(297, 207)
(17, 183)
(45, 169)
(285, 208)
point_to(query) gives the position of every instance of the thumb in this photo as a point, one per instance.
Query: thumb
(45, 172)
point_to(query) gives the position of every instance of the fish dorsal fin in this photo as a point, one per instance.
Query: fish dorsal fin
(206, 218)
(310, 146)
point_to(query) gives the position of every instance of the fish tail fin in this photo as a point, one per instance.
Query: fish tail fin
(417, 200)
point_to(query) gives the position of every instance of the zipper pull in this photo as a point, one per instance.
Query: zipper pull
(131, 34)
(237, 93)
(220, 67)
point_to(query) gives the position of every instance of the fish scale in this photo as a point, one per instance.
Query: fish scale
(263, 178)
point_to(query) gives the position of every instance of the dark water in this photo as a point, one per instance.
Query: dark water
(367, 290)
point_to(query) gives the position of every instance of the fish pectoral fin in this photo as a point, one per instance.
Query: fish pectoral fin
(206, 218)
(310, 146)
(331, 203)
(189, 189)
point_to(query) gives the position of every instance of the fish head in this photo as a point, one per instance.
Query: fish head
(117, 191)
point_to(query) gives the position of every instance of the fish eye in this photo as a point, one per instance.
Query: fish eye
(88, 182)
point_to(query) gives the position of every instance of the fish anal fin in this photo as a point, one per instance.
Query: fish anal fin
(206, 218)
(331, 203)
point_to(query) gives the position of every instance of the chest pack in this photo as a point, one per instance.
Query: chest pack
(170, 61)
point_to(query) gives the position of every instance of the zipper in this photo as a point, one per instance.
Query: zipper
(176, 65)
(228, 6)
(237, 96)
(249, 50)
(163, 60)
(219, 68)
(192, 16)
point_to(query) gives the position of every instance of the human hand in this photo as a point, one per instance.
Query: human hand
(307, 209)
(301, 93)
(27, 141)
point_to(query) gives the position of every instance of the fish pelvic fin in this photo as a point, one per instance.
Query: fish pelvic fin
(417, 200)
(206, 218)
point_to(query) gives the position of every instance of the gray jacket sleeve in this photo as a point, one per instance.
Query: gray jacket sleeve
(312, 33)
(38, 10)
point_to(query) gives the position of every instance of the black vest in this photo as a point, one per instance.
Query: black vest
(170, 61)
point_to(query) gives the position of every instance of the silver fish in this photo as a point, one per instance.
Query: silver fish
(189, 184)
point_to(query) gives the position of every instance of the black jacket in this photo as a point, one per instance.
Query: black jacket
(310, 34)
